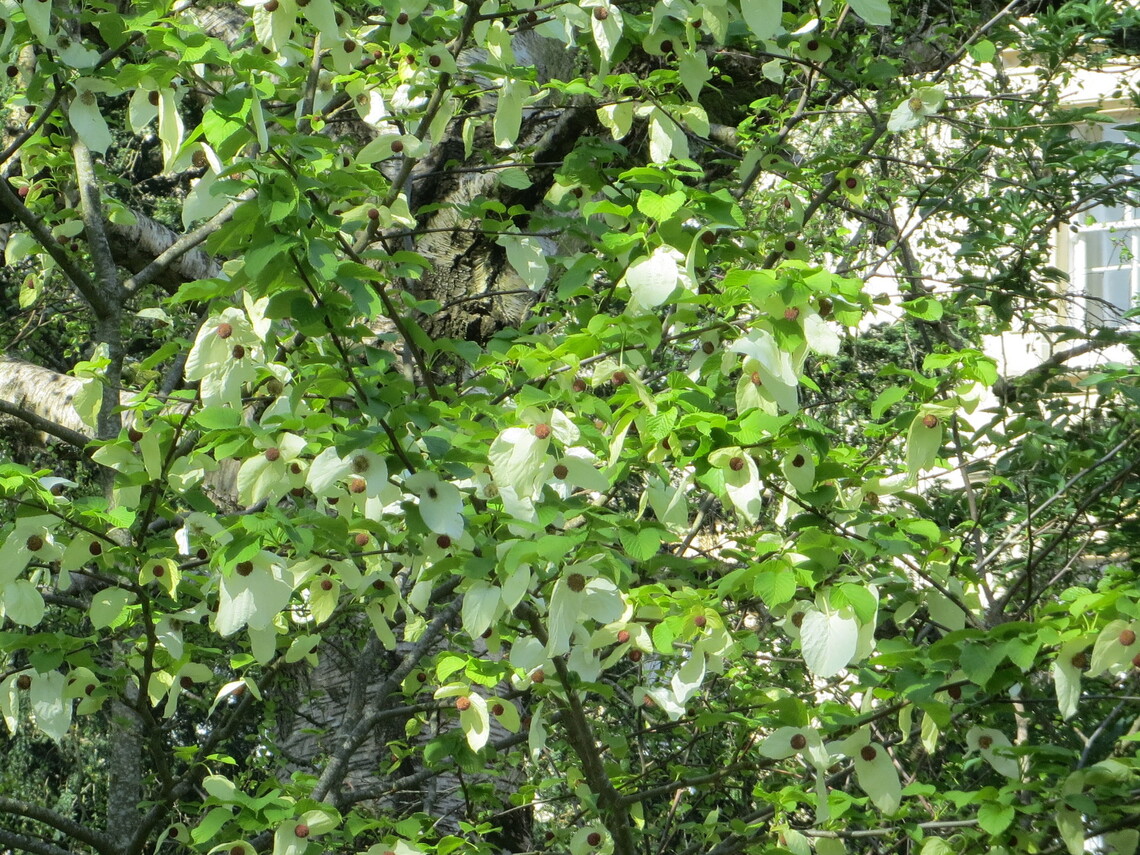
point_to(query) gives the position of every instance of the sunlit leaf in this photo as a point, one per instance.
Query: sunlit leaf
(828, 640)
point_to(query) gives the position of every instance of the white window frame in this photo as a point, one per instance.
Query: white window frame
(1121, 238)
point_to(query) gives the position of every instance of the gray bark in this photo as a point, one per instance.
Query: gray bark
(138, 244)
(43, 395)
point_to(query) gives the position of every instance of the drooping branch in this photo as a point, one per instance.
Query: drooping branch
(42, 425)
(22, 843)
(75, 830)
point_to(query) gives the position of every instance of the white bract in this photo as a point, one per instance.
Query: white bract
(829, 640)
(29, 540)
(216, 362)
(987, 742)
(653, 279)
(579, 595)
(200, 530)
(253, 594)
(914, 110)
(439, 501)
(778, 375)
(741, 480)
(84, 114)
(273, 471)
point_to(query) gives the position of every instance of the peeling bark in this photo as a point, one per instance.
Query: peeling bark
(137, 245)
(45, 395)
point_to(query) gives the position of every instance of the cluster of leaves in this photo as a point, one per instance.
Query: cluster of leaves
(635, 557)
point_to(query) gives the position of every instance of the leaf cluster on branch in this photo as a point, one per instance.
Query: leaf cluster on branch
(572, 427)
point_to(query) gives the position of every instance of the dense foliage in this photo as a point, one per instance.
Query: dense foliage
(439, 427)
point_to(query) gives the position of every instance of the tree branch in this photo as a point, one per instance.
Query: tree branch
(1000, 605)
(106, 296)
(169, 253)
(615, 812)
(23, 843)
(357, 732)
(59, 822)
(1006, 388)
(42, 398)
(68, 435)
(81, 282)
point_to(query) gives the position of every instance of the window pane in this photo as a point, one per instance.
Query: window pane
(1110, 248)
(1109, 296)
(1107, 213)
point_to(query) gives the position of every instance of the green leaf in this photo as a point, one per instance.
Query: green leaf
(658, 207)
(762, 17)
(862, 600)
(211, 824)
(1071, 825)
(775, 587)
(515, 178)
(663, 637)
(217, 418)
(278, 199)
(887, 399)
(935, 845)
(109, 607)
(642, 544)
(694, 71)
(924, 308)
(983, 50)
(23, 603)
(995, 818)
(877, 13)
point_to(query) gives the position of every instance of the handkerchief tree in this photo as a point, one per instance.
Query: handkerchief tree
(442, 426)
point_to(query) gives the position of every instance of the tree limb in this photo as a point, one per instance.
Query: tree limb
(43, 399)
(41, 424)
(59, 822)
(79, 279)
(357, 732)
(1006, 388)
(23, 843)
(159, 254)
